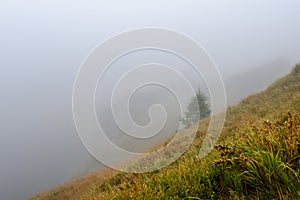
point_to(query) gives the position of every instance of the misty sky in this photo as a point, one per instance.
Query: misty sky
(43, 43)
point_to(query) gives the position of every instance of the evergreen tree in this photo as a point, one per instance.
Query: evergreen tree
(197, 109)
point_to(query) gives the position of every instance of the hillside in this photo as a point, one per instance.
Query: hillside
(254, 80)
(257, 156)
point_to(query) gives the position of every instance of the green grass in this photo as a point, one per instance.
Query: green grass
(257, 157)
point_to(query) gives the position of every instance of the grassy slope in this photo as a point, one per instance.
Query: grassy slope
(256, 157)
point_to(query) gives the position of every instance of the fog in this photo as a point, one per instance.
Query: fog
(43, 44)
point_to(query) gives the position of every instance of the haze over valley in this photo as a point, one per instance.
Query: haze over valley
(44, 43)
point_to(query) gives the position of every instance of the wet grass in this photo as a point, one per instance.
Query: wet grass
(257, 157)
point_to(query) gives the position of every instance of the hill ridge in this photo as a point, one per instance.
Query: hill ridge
(257, 156)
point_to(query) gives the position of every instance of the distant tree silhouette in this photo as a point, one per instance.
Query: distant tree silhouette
(197, 109)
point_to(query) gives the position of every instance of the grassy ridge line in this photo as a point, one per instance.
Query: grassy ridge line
(242, 162)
